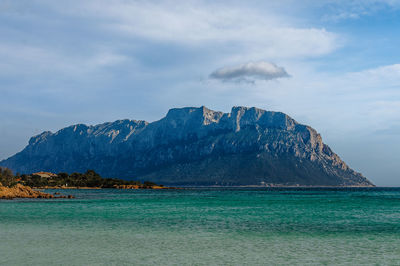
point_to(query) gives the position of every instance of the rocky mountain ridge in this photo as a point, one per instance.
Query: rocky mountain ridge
(193, 146)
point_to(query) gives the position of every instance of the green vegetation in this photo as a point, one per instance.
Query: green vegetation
(88, 179)
(7, 178)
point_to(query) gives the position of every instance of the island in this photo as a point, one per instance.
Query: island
(192, 146)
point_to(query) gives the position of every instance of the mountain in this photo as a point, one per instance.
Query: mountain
(193, 146)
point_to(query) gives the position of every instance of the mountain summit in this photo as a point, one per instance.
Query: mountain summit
(193, 146)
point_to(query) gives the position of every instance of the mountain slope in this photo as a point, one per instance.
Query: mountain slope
(193, 146)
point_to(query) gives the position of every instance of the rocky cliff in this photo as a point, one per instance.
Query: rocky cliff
(193, 146)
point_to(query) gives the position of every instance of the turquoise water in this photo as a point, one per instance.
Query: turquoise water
(204, 227)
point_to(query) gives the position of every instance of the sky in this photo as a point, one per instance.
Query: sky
(333, 65)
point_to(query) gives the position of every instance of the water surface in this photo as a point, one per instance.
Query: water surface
(203, 227)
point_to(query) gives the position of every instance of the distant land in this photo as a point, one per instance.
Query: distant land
(194, 147)
(88, 180)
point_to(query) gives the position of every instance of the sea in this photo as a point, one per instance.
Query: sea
(204, 226)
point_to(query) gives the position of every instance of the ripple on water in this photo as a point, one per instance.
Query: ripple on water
(204, 226)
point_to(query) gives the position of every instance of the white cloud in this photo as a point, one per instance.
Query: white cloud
(247, 31)
(249, 72)
(23, 59)
(357, 102)
(383, 73)
(337, 10)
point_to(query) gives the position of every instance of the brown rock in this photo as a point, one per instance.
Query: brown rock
(21, 191)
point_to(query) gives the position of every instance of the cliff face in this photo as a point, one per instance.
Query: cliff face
(193, 146)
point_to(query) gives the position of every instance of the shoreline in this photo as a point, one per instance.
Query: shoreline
(278, 186)
(189, 187)
(134, 187)
(21, 191)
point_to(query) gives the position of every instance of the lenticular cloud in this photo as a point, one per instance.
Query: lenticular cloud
(250, 72)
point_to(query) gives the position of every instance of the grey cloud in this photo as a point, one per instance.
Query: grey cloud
(250, 72)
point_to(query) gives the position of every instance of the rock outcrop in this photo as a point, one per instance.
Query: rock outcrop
(193, 146)
(20, 191)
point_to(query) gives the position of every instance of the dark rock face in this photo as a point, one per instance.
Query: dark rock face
(193, 146)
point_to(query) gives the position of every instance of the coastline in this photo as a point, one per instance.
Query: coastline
(21, 191)
(278, 186)
(115, 187)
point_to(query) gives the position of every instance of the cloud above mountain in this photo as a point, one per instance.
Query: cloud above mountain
(249, 72)
(140, 58)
